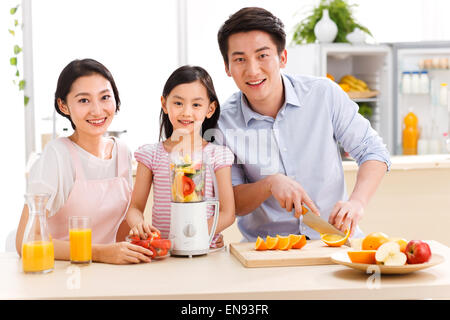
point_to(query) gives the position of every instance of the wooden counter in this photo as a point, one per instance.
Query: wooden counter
(219, 275)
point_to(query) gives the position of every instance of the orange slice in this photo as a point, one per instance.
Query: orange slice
(284, 243)
(298, 241)
(362, 256)
(260, 244)
(334, 240)
(271, 242)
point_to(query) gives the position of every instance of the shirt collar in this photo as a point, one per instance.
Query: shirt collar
(290, 98)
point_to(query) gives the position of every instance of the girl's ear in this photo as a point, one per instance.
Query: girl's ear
(163, 104)
(211, 109)
(63, 107)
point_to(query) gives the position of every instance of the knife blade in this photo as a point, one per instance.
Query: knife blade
(318, 224)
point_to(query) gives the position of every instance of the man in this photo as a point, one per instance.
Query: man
(284, 132)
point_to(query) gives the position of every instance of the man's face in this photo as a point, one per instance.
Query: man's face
(255, 65)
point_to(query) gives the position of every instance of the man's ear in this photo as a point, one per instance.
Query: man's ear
(211, 109)
(227, 70)
(163, 104)
(63, 107)
(283, 59)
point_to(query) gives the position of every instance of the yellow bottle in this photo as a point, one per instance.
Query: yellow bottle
(410, 134)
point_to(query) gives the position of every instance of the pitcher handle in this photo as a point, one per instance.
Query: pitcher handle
(215, 203)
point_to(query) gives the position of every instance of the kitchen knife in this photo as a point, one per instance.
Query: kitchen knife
(321, 226)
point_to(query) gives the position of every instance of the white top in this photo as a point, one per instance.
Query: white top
(54, 172)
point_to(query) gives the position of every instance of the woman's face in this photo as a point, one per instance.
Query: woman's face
(187, 105)
(90, 104)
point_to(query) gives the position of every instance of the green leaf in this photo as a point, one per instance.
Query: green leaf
(13, 61)
(22, 85)
(26, 99)
(17, 49)
(17, 73)
(16, 22)
(12, 32)
(14, 10)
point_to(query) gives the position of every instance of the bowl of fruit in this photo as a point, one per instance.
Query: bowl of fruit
(160, 248)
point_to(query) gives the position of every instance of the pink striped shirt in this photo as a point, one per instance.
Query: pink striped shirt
(156, 158)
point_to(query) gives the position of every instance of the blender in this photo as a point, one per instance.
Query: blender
(188, 213)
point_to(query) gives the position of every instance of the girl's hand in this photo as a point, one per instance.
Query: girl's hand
(143, 230)
(123, 253)
(219, 242)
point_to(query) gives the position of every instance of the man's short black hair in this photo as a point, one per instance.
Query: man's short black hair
(250, 19)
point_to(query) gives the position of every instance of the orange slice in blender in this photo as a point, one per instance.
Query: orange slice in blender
(260, 245)
(271, 242)
(298, 241)
(284, 243)
(334, 240)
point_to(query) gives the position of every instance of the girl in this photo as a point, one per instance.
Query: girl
(189, 108)
(86, 174)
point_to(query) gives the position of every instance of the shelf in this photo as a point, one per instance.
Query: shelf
(366, 100)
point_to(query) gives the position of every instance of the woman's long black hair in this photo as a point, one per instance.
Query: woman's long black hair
(182, 75)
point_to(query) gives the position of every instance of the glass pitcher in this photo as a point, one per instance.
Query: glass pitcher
(187, 176)
(37, 245)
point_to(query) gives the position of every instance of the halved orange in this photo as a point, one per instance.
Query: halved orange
(260, 244)
(271, 242)
(334, 240)
(298, 241)
(362, 256)
(284, 243)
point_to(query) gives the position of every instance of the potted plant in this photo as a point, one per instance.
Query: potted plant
(340, 11)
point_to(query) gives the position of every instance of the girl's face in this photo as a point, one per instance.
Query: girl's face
(187, 106)
(90, 104)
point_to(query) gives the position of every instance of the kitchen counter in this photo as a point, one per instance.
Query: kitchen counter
(429, 161)
(219, 275)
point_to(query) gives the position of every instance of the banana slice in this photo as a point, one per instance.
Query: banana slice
(389, 254)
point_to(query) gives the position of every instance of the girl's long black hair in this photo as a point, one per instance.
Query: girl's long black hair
(182, 75)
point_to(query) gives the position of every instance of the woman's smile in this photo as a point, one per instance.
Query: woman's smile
(97, 122)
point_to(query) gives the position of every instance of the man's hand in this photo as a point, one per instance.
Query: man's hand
(346, 214)
(290, 194)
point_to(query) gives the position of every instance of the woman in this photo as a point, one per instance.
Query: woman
(86, 173)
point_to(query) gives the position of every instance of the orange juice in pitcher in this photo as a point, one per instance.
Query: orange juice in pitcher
(38, 254)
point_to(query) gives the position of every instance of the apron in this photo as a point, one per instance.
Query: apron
(105, 201)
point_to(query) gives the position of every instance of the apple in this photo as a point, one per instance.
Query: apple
(417, 251)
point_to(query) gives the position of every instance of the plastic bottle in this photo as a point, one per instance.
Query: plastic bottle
(443, 95)
(434, 146)
(415, 82)
(410, 134)
(406, 82)
(424, 82)
(423, 142)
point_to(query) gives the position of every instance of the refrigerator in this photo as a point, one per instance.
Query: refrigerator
(381, 67)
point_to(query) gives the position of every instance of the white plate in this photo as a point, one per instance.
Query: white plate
(342, 258)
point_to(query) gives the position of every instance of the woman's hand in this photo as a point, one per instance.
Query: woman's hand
(121, 253)
(143, 230)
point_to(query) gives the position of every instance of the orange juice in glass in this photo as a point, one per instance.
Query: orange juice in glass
(80, 236)
(38, 256)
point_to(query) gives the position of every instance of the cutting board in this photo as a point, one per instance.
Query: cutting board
(315, 252)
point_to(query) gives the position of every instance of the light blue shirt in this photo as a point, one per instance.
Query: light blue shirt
(301, 143)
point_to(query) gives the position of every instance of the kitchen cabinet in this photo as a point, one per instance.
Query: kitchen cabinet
(105, 281)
